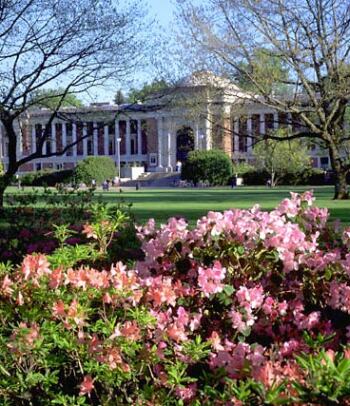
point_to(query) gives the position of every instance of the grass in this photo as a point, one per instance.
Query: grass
(194, 203)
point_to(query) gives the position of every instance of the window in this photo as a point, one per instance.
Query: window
(59, 145)
(133, 136)
(38, 166)
(69, 138)
(243, 133)
(90, 143)
(324, 162)
(80, 144)
(269, 123)
(100, 139)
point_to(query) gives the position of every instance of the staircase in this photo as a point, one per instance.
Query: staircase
(154, 179)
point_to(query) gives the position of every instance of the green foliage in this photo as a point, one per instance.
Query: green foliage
(119, 97)
(47, 177)
(328, 377)
(147, 90)
(55, 98)
(266, 69)
(281, 157)
(242, 168)
(212, 166)
(104, 223)
(99, 168)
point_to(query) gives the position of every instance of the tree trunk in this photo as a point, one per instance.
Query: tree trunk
(5, 181)
(341, 191)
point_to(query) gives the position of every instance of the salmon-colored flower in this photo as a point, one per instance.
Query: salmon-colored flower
(86, 386)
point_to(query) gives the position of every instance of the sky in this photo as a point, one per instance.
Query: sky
(163, 10)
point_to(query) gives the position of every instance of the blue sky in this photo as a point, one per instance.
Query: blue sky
(162, 9)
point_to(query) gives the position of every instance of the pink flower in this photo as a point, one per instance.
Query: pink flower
(89, 231)
(58, 309)
(86, 386)
(186, 393)
(216, 341)
(6, 286)
(209, 279)
(34, 267)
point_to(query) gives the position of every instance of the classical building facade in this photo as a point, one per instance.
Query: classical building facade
(200, 113)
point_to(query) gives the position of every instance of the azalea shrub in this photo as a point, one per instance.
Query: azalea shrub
(247, 308)
(30, 221)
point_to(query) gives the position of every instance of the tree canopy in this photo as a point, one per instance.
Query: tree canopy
(69, 45)
(147, 90)
(52, 98)
(279, 158)
(310, 38)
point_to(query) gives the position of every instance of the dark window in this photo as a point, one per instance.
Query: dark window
(69, 138)
(122, 134)
(243, 133)
(80, 144)
(324, 161)
(90, 144)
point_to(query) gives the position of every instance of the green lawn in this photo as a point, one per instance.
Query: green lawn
(194, 203)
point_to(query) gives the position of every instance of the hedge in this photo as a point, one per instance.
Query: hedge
(214, 167)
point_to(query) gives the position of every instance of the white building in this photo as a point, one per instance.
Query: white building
(203, 112)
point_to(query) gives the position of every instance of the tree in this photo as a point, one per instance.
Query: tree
(51, 99)
(147, 91)
(279, 158)
(212, 166)
(119, 97)
(269, 69)
(99, 168)
(69, 45)
(310, 37)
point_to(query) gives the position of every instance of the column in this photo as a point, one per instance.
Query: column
(290, 120)
(64, 136)
(249, 138)
(196, 138)
(169, 153)
(74, 139)
(160, 133)
(94, 137)
(117, 146)
(207, 143)
(127, 140)
(1, 140)
(106, 140)
(53, 137)
(84, 139)
(33, 139)
(116, 137)
(236, 134)
(139, 138)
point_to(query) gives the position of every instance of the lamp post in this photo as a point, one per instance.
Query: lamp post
(118, 157)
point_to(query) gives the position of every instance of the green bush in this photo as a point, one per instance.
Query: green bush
(47, 177)
(313, 176)
(212, 166)
(99, 168)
